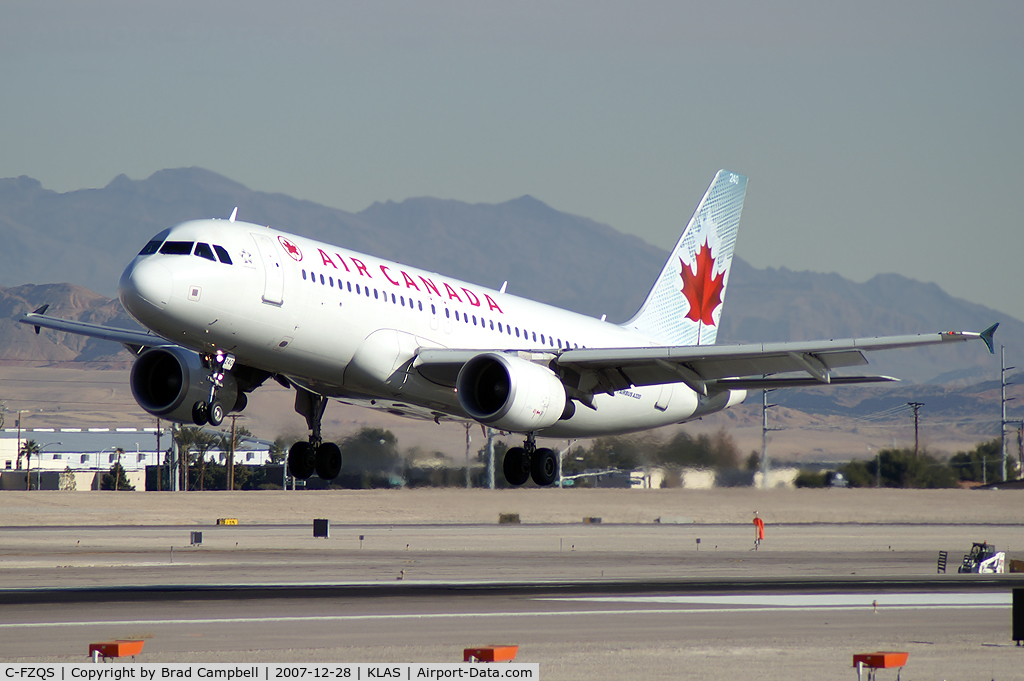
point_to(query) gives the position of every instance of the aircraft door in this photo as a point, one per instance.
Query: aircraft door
(273, 288)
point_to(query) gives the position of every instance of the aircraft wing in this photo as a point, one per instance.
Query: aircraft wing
(135, 341)
(716, 367)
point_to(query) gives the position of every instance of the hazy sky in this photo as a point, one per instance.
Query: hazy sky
(878, 136)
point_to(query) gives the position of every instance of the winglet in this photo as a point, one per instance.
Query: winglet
(40, 310)
(987, 335)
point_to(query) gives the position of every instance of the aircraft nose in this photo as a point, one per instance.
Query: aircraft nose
(146, 284)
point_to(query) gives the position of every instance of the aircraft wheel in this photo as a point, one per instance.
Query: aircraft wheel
(200, 414)
(300, 459)
(328, 461)
(544, 466)
(216, 413)
(516, 466)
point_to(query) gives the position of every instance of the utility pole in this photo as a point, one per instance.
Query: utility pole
(1003, 399)
(490, 457)
(916, 406)
(764, 435)
(159, 467)
(231, 457)
(468, 440)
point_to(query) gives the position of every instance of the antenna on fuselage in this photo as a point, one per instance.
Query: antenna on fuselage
(233, 214)
(503, 286)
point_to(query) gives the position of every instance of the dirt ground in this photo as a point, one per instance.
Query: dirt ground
(459, 506)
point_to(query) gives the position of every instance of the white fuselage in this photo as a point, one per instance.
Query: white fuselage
(347, 325)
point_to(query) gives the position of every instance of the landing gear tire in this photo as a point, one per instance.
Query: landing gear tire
(215, 413)
(300, 460)
(544, 467)
(516, 466)
(328, 461)
(200, 414)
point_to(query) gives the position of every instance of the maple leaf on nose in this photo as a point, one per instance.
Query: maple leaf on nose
(703, 291)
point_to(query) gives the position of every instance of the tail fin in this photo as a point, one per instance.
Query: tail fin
(685, 304)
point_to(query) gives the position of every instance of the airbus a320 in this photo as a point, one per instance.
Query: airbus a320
(230, 305)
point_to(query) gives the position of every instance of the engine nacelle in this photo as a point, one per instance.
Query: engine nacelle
(509, 393)
(166, 382)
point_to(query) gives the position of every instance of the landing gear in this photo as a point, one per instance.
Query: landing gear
(516, 466)
(544, 466)
(328, 461)
(300, 460)
(212, 410)
(522, 463)
(314, 455)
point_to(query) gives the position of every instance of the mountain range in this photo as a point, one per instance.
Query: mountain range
(87, 236)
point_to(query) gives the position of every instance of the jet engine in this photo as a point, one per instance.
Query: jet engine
(509, 393)
(167, 382)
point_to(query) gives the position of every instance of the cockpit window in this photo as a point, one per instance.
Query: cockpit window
(177, 248)
(222, 253)
(151, 248)
(204, 251)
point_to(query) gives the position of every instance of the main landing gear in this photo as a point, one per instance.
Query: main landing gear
(522, 463)
(314, 455)
(212, 410)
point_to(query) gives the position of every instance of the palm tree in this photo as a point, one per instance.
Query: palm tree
(28, 448)
(193, 438)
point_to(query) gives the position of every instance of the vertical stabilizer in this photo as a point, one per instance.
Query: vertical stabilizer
(685, 304)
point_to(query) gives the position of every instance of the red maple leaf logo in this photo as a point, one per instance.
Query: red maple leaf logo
(290, 248)
(703, 292)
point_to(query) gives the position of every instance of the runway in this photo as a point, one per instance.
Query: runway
(717, 636)
(585, 602)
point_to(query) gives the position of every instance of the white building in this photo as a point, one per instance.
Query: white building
(90, 452)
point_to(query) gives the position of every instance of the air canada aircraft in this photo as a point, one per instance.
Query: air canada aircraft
(230, 304)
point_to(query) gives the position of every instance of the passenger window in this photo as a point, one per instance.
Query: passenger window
(222, 253)
(419, 304)
(456, 315)
(303, 275)
(350, 287)
(393, 299)
(433, 309)
(330, 280)
(322, 279)
(559, 342)
(499, 327)
(492, 325)
(375, 293)
(474, 320)
(542, 339)
(151, 248)
(517, 332)
(447, 313)
(177, 248)
(402, 299)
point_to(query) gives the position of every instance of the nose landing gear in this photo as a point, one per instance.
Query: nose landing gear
(212, 410)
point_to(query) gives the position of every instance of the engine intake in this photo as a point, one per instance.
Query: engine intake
(509, 393)
(166, 382)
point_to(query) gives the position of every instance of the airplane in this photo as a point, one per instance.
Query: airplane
(229, 305)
